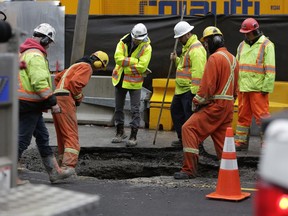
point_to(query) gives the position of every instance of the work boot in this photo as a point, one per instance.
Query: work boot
(177, 144)
(20, 182)
(182, 175)
(120, 134)
(54, 171)
(132, 139)
(241, 147)
(68, 171)
(207, 159)
(21, 167)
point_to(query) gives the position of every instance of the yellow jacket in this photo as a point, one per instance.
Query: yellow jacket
(133, 66)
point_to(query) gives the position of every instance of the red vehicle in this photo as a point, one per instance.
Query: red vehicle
(271, 199)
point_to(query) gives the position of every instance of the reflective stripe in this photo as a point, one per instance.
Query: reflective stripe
(223, 95)
(61, 90)
(133, 79)
(242, 133)
(242, 128)
(260, 55)
(241, 139)
(126, 62)
(78, 96)
(191, 150)
(134, 70)
(200, 99)
(240, 49)
(62, 81)
(184, 75)
(141, 52)
(32, 96)
(229, 164)
(196, 81)
(71, 150)
(257, 68)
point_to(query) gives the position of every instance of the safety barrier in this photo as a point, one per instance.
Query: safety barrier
(98, 104)
(156, 103)
(278, 100)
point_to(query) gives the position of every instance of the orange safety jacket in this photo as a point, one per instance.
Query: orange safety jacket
(73, 80)
(225, 88)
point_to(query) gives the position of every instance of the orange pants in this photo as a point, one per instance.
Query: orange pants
(250, 104)
(211, 120)
(67, 131)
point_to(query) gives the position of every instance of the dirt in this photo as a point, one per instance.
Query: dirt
(141, 166)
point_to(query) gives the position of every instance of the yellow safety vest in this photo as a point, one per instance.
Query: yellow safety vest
(190, 66)
(133, 67)
(256, 66)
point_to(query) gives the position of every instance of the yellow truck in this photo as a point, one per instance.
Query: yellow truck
(174, 7)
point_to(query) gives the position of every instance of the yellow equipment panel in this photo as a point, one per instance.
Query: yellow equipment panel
(174, 7)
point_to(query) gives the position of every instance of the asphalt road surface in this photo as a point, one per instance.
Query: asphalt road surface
(156, 196)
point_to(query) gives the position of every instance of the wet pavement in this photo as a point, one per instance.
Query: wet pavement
(158, 195)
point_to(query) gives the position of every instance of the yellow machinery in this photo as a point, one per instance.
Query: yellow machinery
(173, 7)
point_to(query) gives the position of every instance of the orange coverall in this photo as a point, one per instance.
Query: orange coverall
(215, 98)
(69, 84)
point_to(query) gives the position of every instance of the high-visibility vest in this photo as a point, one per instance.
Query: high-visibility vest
(35, 81)
(256, 66)
(133, 67)
(190, 66)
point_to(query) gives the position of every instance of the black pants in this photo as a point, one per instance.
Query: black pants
(181, 110)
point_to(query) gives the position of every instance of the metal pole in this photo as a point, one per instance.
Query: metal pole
(80, 30)
(167, 82)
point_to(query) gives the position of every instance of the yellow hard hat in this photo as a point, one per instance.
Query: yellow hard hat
(210, 30)
(100, 59)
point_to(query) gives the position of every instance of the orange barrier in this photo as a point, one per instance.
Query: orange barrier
(228, 185)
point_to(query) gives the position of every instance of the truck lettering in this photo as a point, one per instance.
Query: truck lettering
(204, 7)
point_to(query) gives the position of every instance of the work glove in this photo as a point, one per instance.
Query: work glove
(194, 107)
(78, 99)
(173, 56)
(56, 109)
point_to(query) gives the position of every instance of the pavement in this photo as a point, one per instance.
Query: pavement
(146, 196)
(94, 136)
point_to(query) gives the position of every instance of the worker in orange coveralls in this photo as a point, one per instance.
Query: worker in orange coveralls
(69, 84)
(213, 103)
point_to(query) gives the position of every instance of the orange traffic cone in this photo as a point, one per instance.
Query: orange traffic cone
(228, 185)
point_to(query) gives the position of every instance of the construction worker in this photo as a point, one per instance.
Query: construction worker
(36, 95)
(132, 57)
(69, 84)
(189, 71)
(256, 56)
(213, 104)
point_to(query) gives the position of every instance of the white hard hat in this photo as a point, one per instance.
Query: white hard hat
(182, 28)
(46, 29)
(139, 31)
